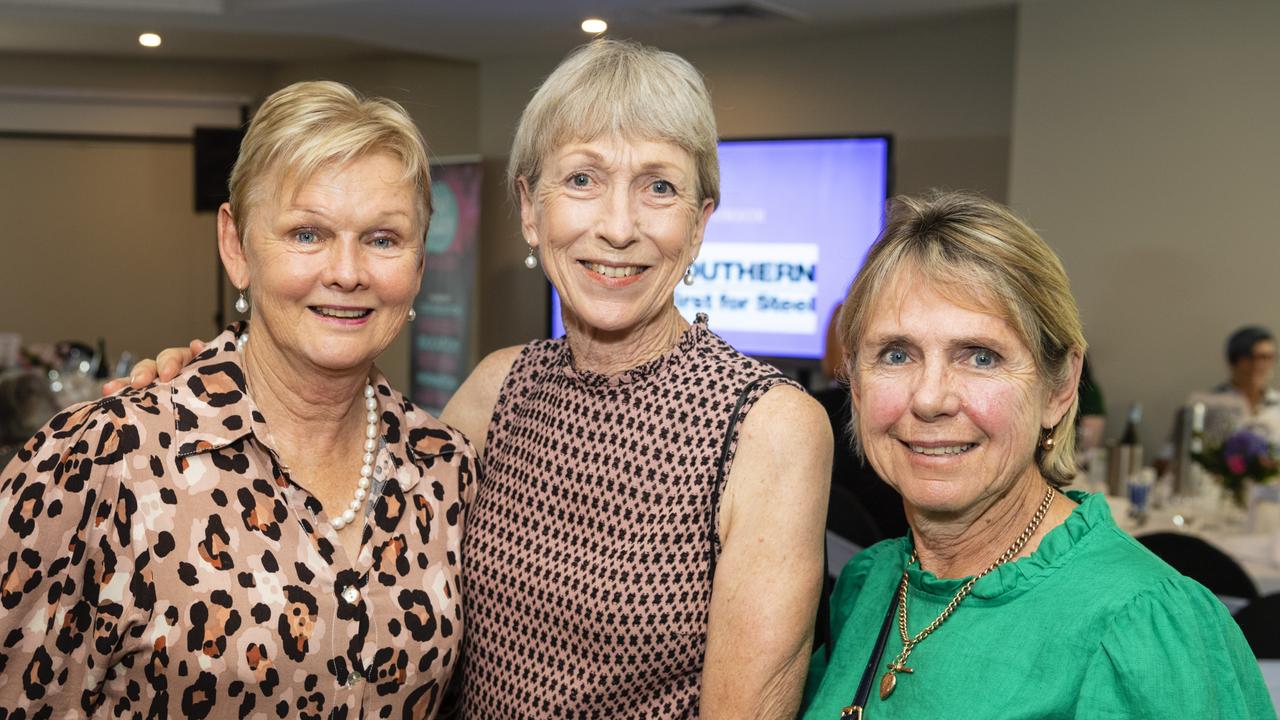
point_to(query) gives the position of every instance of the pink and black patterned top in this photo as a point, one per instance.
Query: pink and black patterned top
(157, 560)
(589, 551)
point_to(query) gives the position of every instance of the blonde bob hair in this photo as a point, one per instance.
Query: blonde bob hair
(983, 256)
(618, 88)
(309, 125)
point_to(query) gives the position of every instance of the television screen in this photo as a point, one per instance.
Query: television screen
(795, 220)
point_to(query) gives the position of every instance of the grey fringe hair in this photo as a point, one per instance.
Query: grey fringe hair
(618, 87)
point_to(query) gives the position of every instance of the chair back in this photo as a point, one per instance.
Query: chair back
(1260, 623)
(1202, 562)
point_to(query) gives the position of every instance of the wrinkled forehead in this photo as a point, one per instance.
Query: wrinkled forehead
(624, 147)
(968, 288)
(281, 183)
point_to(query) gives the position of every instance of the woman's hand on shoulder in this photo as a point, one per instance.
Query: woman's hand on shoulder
(164, 368)
(769, 574)
(471, 407)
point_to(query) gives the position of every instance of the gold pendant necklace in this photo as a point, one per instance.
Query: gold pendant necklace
(899, 665)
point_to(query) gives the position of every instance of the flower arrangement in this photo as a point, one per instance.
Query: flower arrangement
(1244, 455)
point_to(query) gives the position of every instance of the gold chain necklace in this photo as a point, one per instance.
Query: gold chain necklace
(890, 679)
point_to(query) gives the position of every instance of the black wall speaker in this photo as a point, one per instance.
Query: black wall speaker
(216, 151)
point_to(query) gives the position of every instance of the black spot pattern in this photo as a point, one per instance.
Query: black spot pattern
(589, 548)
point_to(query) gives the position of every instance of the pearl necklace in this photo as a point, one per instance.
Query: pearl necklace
(348, 516)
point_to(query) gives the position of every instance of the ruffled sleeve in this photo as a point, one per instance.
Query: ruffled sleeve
(1174, 651)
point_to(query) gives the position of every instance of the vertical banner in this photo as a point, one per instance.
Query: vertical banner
(440, 351)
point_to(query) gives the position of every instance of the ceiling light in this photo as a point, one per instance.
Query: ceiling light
(149, 40)
(594, 26)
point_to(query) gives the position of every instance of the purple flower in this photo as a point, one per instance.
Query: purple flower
(1246, 444)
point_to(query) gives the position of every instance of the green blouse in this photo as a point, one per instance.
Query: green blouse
(1090, 625)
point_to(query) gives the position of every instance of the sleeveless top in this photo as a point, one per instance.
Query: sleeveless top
(589, 552)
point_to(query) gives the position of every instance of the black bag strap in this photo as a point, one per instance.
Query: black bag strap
(822, 623)
(729, 434)
(855, 708)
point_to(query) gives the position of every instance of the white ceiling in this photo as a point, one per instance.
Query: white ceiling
(474, 30)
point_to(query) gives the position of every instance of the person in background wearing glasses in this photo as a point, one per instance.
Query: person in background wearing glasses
(1251, 358)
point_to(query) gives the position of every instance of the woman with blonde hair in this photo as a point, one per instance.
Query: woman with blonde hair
(275, 531)
(1010, 597)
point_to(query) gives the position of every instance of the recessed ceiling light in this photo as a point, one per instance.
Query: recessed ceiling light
(149, 40)
(594, 26)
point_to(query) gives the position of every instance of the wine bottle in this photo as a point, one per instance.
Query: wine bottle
(1132, 439)
(1125, 457)
(1131, 435)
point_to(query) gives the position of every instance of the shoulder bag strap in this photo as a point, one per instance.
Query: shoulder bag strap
(725, 447)
(855, 708)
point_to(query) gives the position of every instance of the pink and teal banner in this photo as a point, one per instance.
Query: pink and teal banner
(440, 354)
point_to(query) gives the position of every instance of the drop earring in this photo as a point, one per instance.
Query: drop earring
(688, 276)
(242, 304)
(413, 314)
(531, 261)
(1047, 442)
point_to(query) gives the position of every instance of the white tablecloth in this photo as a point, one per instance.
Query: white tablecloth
(1257, 552)
(1271, 673)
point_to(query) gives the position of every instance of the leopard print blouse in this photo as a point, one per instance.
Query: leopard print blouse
(156, 560)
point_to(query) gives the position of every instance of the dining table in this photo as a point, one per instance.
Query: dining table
(1249, 536)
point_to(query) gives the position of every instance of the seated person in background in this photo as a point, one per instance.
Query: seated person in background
(1246, 398)
(1251, 357)
(863, 509)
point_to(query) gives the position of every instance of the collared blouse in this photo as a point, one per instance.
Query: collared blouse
(156, 559)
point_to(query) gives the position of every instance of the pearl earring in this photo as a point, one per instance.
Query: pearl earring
(531, 262)
(688, 276)
(413, 314)
(242, 304)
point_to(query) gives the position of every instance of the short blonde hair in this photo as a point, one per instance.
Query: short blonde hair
(623, 88)
(979, 252)
(309, 125)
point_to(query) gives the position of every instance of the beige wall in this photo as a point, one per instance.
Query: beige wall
(1145, 149)
(100, 238)
(178, 76)
(100, 241)
(943, 89)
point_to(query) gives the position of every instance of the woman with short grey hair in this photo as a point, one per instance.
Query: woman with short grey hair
(648, 537)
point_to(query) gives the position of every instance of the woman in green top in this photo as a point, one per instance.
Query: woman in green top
(1009, 598)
